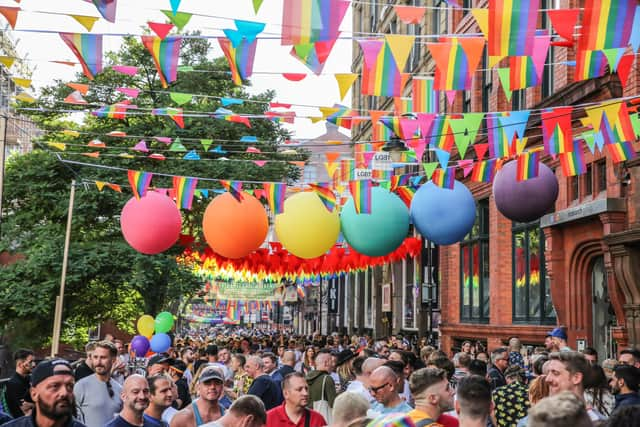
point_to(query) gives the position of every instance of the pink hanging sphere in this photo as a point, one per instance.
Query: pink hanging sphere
(152, 224)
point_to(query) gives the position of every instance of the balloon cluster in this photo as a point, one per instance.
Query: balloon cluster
(157, 342)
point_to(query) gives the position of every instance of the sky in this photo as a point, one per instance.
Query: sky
(40, 48)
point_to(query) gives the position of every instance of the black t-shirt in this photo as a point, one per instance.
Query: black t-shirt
(183, 392)
(17, 390)
(121, 422)
(266, 389)
(82, 370)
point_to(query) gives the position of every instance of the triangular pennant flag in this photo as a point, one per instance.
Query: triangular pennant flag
(482, 18)
(564, 21)
(82, 88)
(25, 83)
(88, 49)
(233, 187)
(139, 181)
(160, 29)
(344, 82)
(504, 74)
(451, 96)
(515, 123)
(206, 143)
(7, 61)
(100, 185)
(610, 110)
(443, 157)
(256, 5)
(331, 168)
(180, 19)
(400, 46)
(624, 69)
(184, 189)
(191, 155)
(141, 146)
(375, 116)
(75, 97)
(260, 163)
(59, 145)
(460, 135)
(180, 98)
(115, 187)
(177, 146)
(25, 97)
(613, 57)
(130, 92)
(410, 14)
(332, 156)
(128, 70)
(86, 21)
(165, 54)
(466, 166)
(408, 128)
(107, 8)
(429, 168)
(175, 4)
(11, 14)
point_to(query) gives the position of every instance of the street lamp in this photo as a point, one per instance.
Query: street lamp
(394, 145)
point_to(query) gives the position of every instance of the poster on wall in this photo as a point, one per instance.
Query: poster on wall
(386, 297)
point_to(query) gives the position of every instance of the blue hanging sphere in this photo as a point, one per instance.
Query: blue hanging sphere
(441, 215)
(160, 343)
(380, 232)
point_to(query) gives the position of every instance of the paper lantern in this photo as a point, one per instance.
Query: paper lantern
(306, 228)
(152, 224)
(160, 343)
(441, 215)
(528, 200)
(235, 228)
(380, 232)
(139, 345)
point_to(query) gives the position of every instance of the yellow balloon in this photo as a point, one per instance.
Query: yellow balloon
(306, 228)
(146, 325)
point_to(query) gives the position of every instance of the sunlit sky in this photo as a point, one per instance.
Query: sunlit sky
(39, 48)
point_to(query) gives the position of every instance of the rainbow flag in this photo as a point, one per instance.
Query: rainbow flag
(557, 133)
(393, 124)
(326, 194)
(444, 178)
(512, 27)
(497, 137)
(165, 53)
(381, 132)
(456, 61)
(115, 111)
(361, 193)
(240, 58)
(381, 174)
(347, 169)
(308, 21)
(233, 187)
(572, 162)
(139, 182)
(380, 73)
(107, 9)
(621, 151)
(590, 64)
(88, 49)
(184, 188)
(406, 193)
(607, 24)
(276, 193)
(484, 171)
(528, 165)
(440, 135)
(425, 97)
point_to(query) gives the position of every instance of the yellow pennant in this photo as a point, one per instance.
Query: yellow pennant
(25, 83)
(7, 61)
(345, 81)
(327, 111)
(400, 46)
(332, 168)
(482, 18)
(59, 145)
(25, 97)
(100, 185)
(70, 132)
(85, 21)
(610, 110)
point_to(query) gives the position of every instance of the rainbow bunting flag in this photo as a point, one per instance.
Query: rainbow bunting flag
(276, 193)
(361, 193)
(381, 174)
(139, 182)
(88, 49)
(380, 73)
(528, 165)
(621, 151)
(115, 111)
(557, 133)
(240, 52)
(308, 21)
(572, 162)
(526, 71)
(484, 171)
(393, 124)
(326, 194)
(425, 97)
(107, 9)
(456, 61)
(406, 194)
(497, 137)
(607, 24)
(444, 178)
(347, 169)
(165, 53)
(440, 135)
(233, 187)
(590, 64)
(184, 189)
(512, 27)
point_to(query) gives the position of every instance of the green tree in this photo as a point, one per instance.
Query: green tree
(107, 279)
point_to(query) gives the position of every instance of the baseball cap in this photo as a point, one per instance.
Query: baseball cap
(559, 333)
(49, 368)
(158, 358)
(210, 373)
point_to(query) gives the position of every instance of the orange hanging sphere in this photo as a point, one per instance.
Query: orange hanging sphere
(235, 228)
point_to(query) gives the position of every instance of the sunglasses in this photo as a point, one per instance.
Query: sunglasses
(109, 389)
(377, 389)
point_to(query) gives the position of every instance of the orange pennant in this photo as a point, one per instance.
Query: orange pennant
(410, 14)
(332, 157)
(375, 116)
(82, 88)
(11, 14)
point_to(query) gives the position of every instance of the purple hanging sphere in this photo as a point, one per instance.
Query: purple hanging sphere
(140, 345)
(524, 201)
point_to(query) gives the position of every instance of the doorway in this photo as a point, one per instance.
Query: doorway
(603, 314)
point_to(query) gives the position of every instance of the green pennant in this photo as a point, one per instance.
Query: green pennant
(613, 57)
(505, 79)
(635, 122)
(461, 135)
(429, 168)
(249, 191)
(180, 19)
(206, 143)
(385, 184)
(303, 50)
(256, 5)
(180, 98)
(177, 146)
(590, 140)
(185, 68)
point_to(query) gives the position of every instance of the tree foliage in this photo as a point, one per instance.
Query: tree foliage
(106, 279)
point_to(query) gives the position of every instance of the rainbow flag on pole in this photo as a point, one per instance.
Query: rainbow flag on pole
(184, 188)
(361, 193)
(139, 182)
(484, 171)
(275, 192)
(444, 178)
(528, 165)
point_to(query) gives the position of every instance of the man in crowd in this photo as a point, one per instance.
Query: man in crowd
(499, 362)
(560, 410)
(206, 408)
(188, 357)
(262, 386)
(321, 385)
(293, 411)
(270, 362)
(432, 393)
(349, 409)
(224, 361)
(177, 370)
(135, 399)
(624, 385)
(17, 393)
(630, 357)
(559, 339)
(591, 354)
(160, 398)
(85, 368)
(158, 364)
(246, 411)
(288, 361)
(383, 386)
(98, 395)
(473, 404)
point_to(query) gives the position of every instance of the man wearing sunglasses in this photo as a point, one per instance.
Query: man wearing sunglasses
(98, 395)
(382, 386)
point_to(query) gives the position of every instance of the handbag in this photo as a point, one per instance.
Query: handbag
(322, 405)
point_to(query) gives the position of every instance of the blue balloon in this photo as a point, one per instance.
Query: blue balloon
(160, 343)
(380, 232)
(441, 215)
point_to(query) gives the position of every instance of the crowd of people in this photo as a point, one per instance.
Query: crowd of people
(252, 378)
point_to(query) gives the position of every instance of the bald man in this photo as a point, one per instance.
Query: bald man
(288, 363)
(382, 386)
(363, 369)
(135, 399)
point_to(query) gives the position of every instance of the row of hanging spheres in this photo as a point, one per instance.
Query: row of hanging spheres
(234, 229)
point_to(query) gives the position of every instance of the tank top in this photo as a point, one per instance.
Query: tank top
(196, 413)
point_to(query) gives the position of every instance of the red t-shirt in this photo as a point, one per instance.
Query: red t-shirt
(448, 420)
(278, 417)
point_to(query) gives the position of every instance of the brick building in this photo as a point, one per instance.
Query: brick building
(576, 266)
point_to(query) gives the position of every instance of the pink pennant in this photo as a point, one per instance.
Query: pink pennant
(157, 156)
(451, 96)
(370, 50)
(466, 165)
(260, 163)
(294, 77)
(540, 50)
(163, 139)
(75, 98)
(253, 150)
(418, 146)
(141, 146)
(426, 121)
(129, 91)
(408, 128)
(129, 70)
(279, 105)
(367, 156)
(161, 30)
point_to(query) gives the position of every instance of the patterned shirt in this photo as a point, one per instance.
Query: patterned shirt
(511, 402)
(241, 383)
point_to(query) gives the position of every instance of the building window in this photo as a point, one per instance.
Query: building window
(416, 52)
(519, 100)
(531, 286)
(368, 298)
(474, 268)
(601, 175)
(408, 294)
(346, 296)
(466, 6)
(574, 188)
(439, 21)
(547, 74)
(373, 16)
(466, 101)
(588, 181)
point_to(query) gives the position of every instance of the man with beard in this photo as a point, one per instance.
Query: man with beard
(18, 397)
(161, 389)
(293, 411)
(624, 384)
(98, 395)
(135, 399)
(188, 357)
(206, 408)
(383, 386)
(432, 393)
(52, 393)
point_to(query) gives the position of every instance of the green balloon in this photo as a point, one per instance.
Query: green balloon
(164, 322)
